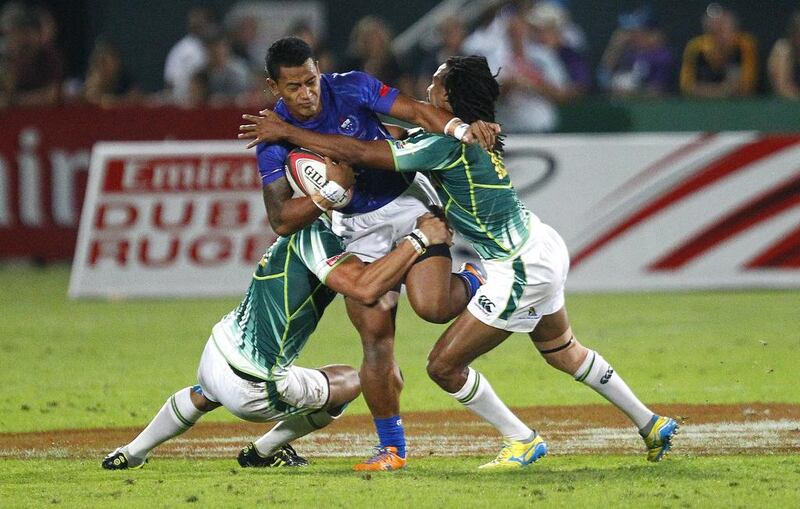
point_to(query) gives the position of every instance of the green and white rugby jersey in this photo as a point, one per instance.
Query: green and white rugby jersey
(283, 304)
(480, 202)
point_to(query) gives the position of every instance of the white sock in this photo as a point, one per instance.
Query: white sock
(176, 416)
(291, 429)
(478, 395)
(600, 376)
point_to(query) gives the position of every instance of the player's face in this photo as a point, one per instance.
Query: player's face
(437, 95)
(299, 87)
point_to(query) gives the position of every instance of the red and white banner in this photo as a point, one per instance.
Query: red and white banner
(638, 212)
(44, 162)
(171, 219)
(667, 211)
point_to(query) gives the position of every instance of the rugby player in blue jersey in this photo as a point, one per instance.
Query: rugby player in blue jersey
(383, 210)
(526, 262)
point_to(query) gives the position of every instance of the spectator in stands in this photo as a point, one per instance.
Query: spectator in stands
(189, 54)
(243, 33)
(107, 83)
(229, 79)
(370, 51)
(451, 34)
(784, 61)
(533, 79)
(325, 58)
(723, 61)
(197, 94)
(549, 21)
(637, 60)
(31, 68)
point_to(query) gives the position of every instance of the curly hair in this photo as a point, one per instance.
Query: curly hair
(472, 90)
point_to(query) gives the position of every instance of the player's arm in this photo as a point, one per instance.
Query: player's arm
(438, 120)
(367, 283)
(270, 127)
(287, 215)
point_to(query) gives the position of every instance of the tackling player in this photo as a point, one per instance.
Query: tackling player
(247, 365)
(383, 210)
(526, 262)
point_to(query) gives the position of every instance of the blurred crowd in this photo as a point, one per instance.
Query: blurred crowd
(538, 50)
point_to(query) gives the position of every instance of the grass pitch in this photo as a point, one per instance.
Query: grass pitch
(575, 482)
(78, 364)
(93, 364)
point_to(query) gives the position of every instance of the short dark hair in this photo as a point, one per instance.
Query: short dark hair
(286, 52)
(472, 89)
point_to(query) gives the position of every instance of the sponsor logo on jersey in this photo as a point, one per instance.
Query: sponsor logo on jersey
(349, 125)
(486, 304)
(607, 376)
(333, 259)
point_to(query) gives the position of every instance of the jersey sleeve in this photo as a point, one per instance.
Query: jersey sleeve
(426, 152)
(369, 91)
(271, 160)
(319, 249)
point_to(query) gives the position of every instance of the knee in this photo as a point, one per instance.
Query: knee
(432, 312)
(443, 373)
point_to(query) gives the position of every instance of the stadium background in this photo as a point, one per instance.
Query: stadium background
(80, 376)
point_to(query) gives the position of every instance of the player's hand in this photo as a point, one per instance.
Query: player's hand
(267, 126)
(435, 229)
(321, 202)
(341, 173)
(483, 133)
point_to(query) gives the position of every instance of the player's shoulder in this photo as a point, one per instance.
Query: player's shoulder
(419, 135)
(343, 79)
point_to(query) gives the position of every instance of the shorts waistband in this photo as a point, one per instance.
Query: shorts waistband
(245, 376)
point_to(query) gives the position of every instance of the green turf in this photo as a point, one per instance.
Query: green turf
(565, 481)
(69, 364)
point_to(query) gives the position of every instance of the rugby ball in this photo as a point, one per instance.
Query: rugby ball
(306, 173)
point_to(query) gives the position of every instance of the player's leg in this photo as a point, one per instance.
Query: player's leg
(466, 339)
(179, 413)
(435, 293)
(273, 448)
(381, 382)
(554, 339)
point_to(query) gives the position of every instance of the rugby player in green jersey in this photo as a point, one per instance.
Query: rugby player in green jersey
(248, 362)
(526, 261)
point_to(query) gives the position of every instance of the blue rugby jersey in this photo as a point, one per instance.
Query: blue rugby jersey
(349, 103)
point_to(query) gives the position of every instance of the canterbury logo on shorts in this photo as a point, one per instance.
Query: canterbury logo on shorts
(486, 304)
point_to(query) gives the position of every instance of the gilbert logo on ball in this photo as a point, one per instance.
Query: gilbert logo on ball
(307, 173)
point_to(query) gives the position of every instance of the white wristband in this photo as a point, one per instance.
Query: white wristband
(421, 236)
(332, 191)
(460, 131)
(447, 125)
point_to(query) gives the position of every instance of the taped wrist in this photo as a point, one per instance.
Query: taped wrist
(460, 131)
(418, 240)
(332, 191)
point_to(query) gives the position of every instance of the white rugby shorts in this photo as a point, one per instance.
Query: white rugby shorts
(300, 391)
(372, 235)
(521, 290)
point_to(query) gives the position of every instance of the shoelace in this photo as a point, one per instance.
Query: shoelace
(504, 453)
(380, 454)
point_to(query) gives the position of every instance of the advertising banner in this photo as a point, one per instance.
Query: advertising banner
(638, 212)
(170, 220)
